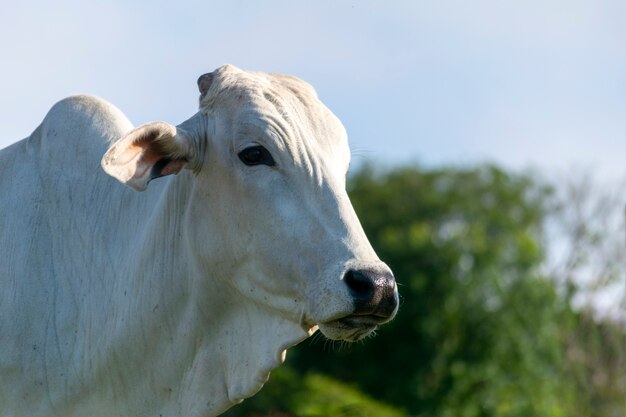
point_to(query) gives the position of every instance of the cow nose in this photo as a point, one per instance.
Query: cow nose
(374, 293)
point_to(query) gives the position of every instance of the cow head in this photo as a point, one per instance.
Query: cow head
(266, 164)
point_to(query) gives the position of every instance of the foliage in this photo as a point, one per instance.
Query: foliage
(481, 331)
(585, 232)
(596, 356)
(311, 395)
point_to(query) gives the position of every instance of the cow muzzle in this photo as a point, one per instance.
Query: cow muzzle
(374, 294)
(375, 301)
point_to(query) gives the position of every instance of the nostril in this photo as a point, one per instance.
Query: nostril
(361, 285)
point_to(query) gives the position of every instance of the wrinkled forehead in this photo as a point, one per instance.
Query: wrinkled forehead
(282, 106)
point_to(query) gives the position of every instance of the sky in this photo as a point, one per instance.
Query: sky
(533, 84)
(523, 84)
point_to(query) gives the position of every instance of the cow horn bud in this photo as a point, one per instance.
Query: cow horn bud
(204, 83)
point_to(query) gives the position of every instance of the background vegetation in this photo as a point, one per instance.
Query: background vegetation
(486, 325)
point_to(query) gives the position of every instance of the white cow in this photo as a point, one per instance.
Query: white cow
(180, 300)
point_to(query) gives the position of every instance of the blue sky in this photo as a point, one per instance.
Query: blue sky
(533, 83)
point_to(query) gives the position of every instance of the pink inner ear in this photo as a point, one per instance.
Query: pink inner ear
(120, 155)
(145, 159)
(143, 155)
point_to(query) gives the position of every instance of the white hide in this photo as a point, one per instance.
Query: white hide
(179, 300)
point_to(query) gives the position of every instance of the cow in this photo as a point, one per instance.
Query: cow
(178, 300)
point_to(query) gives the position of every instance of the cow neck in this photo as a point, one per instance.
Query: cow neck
(236, 341)
(234, 360)
(237, 344)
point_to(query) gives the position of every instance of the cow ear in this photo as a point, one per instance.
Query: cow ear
(150, 151)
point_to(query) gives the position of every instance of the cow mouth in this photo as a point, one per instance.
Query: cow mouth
(361, 321)
(353, 327)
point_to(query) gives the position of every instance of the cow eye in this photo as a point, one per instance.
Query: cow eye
(256, 155)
